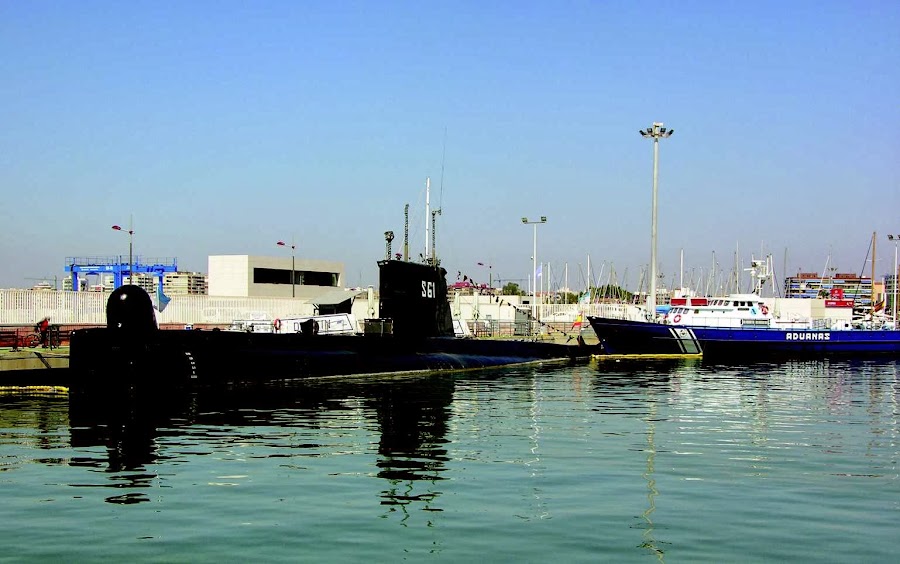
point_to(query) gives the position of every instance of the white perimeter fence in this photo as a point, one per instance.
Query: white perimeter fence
(26, 307)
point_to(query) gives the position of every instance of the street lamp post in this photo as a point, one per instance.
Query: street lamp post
(130, 232)
(293, 275)
(534, 263)
(655, 131)
(895, 239)
(490, 274)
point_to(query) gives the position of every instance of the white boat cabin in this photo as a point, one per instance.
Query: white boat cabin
(735, 310)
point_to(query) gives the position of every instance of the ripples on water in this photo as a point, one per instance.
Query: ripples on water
(605, 462)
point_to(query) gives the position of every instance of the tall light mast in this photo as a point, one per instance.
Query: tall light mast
(655, 132)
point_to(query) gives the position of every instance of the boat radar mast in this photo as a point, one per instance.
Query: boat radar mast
(760, 273)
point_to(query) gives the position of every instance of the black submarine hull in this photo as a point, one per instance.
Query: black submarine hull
(132, 351)
(100, 357)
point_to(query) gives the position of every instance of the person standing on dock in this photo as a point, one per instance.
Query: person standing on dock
(43, 327)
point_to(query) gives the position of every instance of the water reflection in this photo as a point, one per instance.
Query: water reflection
(409, 414)
(634, 388)
(35, 422)
(649, 458)
(756, 415)
(650, 543)
(413, 439)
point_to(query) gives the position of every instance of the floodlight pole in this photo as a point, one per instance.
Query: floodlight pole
(655, 131)
(534, 264)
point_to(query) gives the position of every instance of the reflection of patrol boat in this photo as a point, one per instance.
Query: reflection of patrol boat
(414, 333)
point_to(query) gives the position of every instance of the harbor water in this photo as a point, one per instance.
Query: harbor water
(677, 461)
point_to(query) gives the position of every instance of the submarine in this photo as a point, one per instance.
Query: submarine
(417, 334)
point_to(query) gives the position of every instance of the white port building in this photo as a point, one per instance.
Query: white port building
(263, 276)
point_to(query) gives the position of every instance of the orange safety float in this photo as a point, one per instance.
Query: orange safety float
(277, 325)
(677, 318)
(764, 309)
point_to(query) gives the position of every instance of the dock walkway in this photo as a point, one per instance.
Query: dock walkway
(33, 358)
(33, 368)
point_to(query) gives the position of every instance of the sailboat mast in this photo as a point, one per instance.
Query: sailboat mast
(590, 280)
(872, 285)
(549, 279)
(784, 270)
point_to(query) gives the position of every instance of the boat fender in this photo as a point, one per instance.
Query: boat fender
(677, 318)
(764, 309)
(277, 324)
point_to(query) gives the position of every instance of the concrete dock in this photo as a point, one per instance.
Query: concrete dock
(33, 368)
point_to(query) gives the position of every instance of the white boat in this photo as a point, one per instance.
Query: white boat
(251, 326)
(741, 311)
(332, 324)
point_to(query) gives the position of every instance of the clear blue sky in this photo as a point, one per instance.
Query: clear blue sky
(222, 127)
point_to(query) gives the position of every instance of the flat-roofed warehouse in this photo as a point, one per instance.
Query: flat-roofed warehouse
(262, 276)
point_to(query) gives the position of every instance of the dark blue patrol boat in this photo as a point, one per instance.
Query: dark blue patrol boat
(740, 326)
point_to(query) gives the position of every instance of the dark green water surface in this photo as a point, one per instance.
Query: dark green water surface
(607, 462)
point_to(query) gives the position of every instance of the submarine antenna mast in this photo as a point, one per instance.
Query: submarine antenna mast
(434, 214)
(406, 233)
(388, 237)
(427, 216)
(434, 259)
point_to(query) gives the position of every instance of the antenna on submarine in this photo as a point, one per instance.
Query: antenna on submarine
(406, 233)
(443, 155)
(434, 259)
(427, 219)
(388, 237)
(437, 212)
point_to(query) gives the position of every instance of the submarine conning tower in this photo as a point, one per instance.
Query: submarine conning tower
(414, 296)
(130, 310)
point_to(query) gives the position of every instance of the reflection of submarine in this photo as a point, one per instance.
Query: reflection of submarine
(414, 311)
(411, 415)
